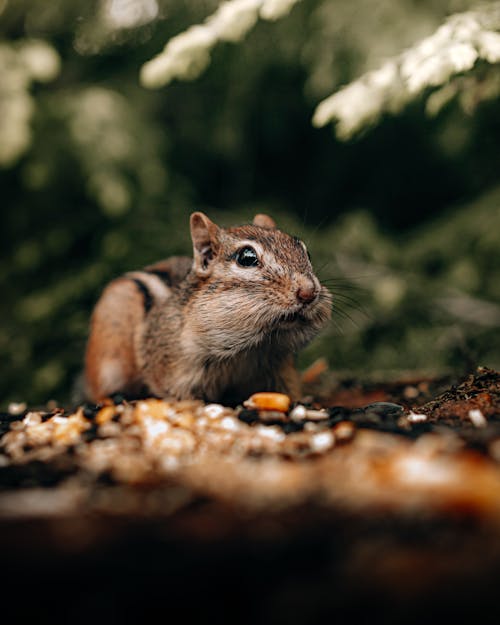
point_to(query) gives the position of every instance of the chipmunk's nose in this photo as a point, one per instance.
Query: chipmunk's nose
(307, 291)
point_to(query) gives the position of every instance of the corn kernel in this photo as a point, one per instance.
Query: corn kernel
(268, 401)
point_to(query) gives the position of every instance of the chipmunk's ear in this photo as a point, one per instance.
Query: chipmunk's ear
(264, 221)
(205, 236)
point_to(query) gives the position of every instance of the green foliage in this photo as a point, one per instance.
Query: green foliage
(428, 301)
(99, 175)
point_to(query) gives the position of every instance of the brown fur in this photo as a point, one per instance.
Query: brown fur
(207, 327)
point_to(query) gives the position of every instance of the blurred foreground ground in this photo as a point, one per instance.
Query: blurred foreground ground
(368, 512)
(99, 175)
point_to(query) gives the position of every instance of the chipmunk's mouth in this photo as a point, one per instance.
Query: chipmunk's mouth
(298, 315)
(292, 317)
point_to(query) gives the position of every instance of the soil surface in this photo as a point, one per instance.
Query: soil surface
(367, 502)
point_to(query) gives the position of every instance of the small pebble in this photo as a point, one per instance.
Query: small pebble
(416, 417)
(230, 424)
(32, 418)
(298, 413)
(384, 409)
(16, 408)
(292, 426)
(344, 430)
(117, 398)
(301, 413)
(477, 418)
(89, 411)
(214, 411)
(272, 433)
(316, 415)
(248, 416)
(322, 441)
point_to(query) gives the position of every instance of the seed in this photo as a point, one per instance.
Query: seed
(322, 441)
(67, 430)
(155, 408)
(301, 413)
(214, 411)
(105, 414)
(230, 424)
(316, 415)
(184, 420)
(89, 411)
(298, 413)
(344, 430)
(271, 432)
(416, 417)
(268, 401)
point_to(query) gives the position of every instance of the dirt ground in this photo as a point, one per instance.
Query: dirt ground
(375, 502)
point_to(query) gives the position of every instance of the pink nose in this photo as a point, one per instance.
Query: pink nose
(306, 292)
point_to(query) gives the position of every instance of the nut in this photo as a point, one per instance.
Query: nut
(268, 401)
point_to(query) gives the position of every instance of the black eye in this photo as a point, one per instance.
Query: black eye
(247, 257)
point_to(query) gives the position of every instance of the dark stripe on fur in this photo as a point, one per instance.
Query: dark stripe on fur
(163, 275)
(147, 297)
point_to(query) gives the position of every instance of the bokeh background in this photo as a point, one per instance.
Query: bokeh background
(99, 174)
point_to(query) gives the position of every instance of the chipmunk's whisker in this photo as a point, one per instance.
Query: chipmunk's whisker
(343, 283)
(347, 299)
(337, 325)
(321, 267)
(343, 313)
(351, 278)
(339, 286)
(343, 302)
(312, 234)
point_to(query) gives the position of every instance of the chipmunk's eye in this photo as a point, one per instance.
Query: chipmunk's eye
(247, 257)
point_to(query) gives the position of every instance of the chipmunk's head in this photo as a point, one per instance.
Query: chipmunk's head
(256, 283)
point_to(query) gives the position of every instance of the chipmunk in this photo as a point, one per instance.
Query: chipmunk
(217, 327)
